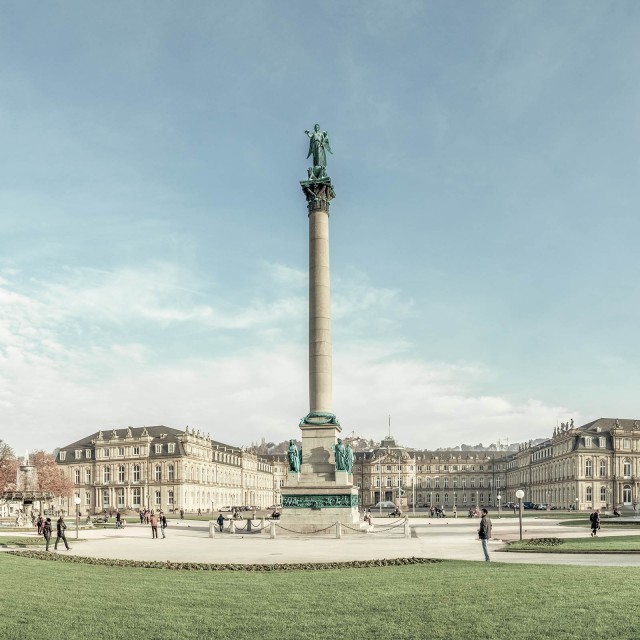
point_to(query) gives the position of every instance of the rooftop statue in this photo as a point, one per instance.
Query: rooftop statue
(318, 147)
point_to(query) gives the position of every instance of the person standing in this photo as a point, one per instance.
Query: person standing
(46, 532)
(141, 516)
(60, 535)
(181, 514)
(221, 522)
(594, 518)
(484, 532)
(163, 523)
(153, 521)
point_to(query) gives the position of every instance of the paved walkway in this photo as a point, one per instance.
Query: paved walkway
(455, 539)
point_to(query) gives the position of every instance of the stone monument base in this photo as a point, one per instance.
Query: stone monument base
(308, 509)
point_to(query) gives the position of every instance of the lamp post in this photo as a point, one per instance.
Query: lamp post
(499, 512)
(77, 501)
(577, 504)
(520, 495)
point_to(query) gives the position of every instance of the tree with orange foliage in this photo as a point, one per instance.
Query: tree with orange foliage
(50, 477)
(8, 467)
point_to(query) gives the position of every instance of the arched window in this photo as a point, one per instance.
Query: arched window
(626, 468)
(437, 498)
(588, 469)
(171, 473)
(626, 494)
(158, 472)
(136, 473)
(603, 468)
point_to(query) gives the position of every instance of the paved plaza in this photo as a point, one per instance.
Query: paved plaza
(453, 539)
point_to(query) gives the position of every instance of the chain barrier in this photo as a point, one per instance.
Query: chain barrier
(305, 532)
(389, 528)
(346, 526)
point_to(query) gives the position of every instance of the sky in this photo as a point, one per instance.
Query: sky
(153, 234)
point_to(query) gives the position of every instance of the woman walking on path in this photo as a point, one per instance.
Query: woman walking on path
(595, 522)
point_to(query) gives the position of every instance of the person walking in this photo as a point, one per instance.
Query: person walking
(221, 522)
(153, 521)
(60, 535)
(594, 519)
(484, 532)
(141, 516)
(181, 514)
(163, 523)
(46, 532)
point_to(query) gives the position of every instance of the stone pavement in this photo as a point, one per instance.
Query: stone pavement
(454, 539)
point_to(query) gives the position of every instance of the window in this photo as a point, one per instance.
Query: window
(158, 473)
(63, 455)
(171, 473)
(472, 482)
(589, 494)
(136, 496)
(87, 453)
(121, 473)
(481, 483)
(603, 442)
(388, 467)
(388, 482)
(170, 500)
(626, 494)
(437, 498)
(87, 497)
(121, 452)
(626, 468)
(136, 473)
(158, 448)
(171, 447)
(78, 454)
(437, 483)
(587, 441)
(455, 483)
(603, 494)
(106, 474)
(120, 498)
(588, 469)
(136, 451)
(77, 476)
(603, 468)
(106, 452)
(446, 484)
(626, 443)
(481, 498)
(158, 499)
(87, 476)
(105, 497)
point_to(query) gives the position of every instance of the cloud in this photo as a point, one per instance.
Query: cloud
(64, 371)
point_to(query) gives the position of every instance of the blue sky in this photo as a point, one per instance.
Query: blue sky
(153, 238)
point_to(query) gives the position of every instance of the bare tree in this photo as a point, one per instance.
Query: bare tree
(8, 467)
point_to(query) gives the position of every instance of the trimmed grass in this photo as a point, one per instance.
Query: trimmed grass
(447, 600)
(610, 544)
(605, 523)
(23, 541)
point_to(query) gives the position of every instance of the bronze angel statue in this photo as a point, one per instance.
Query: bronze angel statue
(318, 147)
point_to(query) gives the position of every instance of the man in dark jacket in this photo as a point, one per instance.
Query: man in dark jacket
(221, 521)
(594, 518)
(163, 523)
(46, 532)
(60, 527)
(484, 532)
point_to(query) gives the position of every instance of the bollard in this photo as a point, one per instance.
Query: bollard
(272, 533)
(212, 528)
(249, 525)
(338, 530)
(261, 524)
(232, 526)
(407, 533)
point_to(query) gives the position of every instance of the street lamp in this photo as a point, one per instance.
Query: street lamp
(77, 501)
(520, 495)
(499, 512)
(577, 504)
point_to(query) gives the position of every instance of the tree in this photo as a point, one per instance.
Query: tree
(50, 476)
(8, 467)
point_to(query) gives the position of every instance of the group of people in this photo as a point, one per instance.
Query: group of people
(45, 529)
(437, 512)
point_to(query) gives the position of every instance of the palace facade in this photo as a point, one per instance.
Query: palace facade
(595, 465)
(164, 468)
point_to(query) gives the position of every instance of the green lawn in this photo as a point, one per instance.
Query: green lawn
(610, 544)
(447, 600)
(30, 541)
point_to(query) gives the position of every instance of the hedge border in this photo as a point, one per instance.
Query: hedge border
(206, 566)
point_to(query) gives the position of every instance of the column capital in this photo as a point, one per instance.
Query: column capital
(318, 193)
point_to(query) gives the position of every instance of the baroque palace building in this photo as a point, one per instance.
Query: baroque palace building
(164, 468)
(596, 465)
